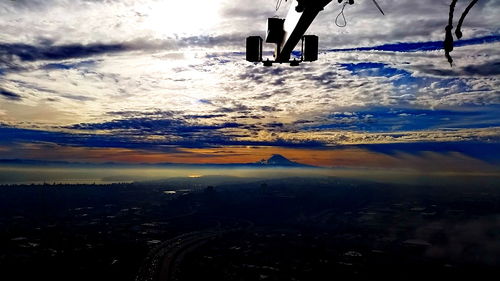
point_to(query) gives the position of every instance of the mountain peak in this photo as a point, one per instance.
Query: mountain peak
(278, 160)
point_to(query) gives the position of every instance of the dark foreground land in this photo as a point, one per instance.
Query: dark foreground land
(287, 229)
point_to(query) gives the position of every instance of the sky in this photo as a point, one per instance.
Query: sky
(152, 81)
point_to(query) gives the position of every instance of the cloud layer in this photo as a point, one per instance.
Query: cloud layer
(154, 75)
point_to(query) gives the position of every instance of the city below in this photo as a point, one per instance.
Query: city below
(236, 228)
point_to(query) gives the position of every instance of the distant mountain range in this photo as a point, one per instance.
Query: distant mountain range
(275, 160)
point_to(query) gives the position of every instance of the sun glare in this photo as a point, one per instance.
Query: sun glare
(170, 17)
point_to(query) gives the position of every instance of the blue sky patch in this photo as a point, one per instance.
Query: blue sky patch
(67, 66)
(374, 69)
(407, 119)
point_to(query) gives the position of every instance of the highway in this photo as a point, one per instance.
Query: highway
(163, 260)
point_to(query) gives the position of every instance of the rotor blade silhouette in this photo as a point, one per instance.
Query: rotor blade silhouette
(378, 6)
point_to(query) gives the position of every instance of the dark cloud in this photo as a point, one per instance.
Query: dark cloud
(206, 116)
(150, 113)
(27, 52)
(10, 95)
(180, 131)
(129, 134)
(490, 68)
(236, 107)
(28, 4)
(486, 69)
(255, 117)
(143, 124)
(275, 125)
(12, 55)
(269, 108)
(12, 135)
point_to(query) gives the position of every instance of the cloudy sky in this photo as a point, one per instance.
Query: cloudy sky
(166, 81)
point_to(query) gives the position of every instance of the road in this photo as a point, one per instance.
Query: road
(163, 260)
